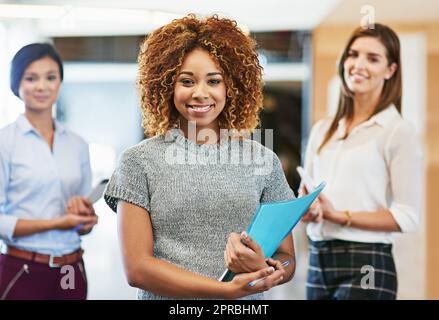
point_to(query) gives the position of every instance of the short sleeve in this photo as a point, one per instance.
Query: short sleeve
(129, 182)
(276, 186)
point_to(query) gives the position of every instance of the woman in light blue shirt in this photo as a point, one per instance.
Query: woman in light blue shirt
(44, 175)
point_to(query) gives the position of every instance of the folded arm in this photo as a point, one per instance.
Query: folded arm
(243, 254)
(145, 271)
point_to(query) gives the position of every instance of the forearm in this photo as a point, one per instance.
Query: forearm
(29, 227)
(166, 279)
(381, 220)
(290, 269)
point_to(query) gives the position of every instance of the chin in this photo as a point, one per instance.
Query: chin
(202, 122)
(358, 89)
(36, 108)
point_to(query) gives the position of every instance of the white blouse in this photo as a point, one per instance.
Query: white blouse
(378, 166)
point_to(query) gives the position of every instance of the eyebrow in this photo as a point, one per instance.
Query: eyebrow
(208, 74)
(369, 53)
(374, 54)
(31, 73)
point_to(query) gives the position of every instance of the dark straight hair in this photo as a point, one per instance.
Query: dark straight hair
(392, 89)
(28, 54)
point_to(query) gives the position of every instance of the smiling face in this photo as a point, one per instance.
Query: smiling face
(366, 67)
(200, 91)
(40, 85)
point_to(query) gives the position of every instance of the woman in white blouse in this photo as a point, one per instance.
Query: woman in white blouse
(370, 158)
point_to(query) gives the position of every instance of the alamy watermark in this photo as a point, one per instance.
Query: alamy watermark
(368, 280)
(68, 281)
(232, 147)
(368, 18)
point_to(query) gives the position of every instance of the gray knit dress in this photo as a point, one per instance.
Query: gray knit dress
(196, 195)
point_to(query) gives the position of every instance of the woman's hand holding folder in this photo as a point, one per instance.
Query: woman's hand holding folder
(322, 208)
(242, 254)
(239, 286)
(314, 213)
(245, 257)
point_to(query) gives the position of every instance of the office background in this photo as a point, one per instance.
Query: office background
(299, 43)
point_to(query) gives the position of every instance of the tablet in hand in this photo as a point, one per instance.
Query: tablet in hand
(97, 191)
(306, 179)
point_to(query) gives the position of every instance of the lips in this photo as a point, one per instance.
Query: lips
(41, 98)
(200, 108)
(358, 77)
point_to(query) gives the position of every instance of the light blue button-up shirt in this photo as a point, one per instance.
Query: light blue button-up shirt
(36, 183)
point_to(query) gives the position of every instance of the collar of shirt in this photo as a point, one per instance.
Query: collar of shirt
(25, 126)
(382, 118)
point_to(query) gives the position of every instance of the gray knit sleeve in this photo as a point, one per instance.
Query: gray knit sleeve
(129, 182)
(276, 186)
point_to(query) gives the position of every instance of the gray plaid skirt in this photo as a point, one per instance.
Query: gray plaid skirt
(340, 270)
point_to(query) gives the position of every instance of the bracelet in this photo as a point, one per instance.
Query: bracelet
(349, 218)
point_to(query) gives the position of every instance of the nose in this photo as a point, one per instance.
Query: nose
(360, 63)
(200, 92)
(41, 84)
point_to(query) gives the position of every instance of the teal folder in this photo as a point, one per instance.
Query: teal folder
(273, 221)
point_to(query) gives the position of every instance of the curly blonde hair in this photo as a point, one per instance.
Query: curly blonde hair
(161, 56)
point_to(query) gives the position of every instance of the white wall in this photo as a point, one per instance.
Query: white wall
(410, 249)
(12, 38)
(99, 102)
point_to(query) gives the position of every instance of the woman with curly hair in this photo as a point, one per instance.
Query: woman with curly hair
(182, 194)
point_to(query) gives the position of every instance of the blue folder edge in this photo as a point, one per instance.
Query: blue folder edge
(281, 216)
